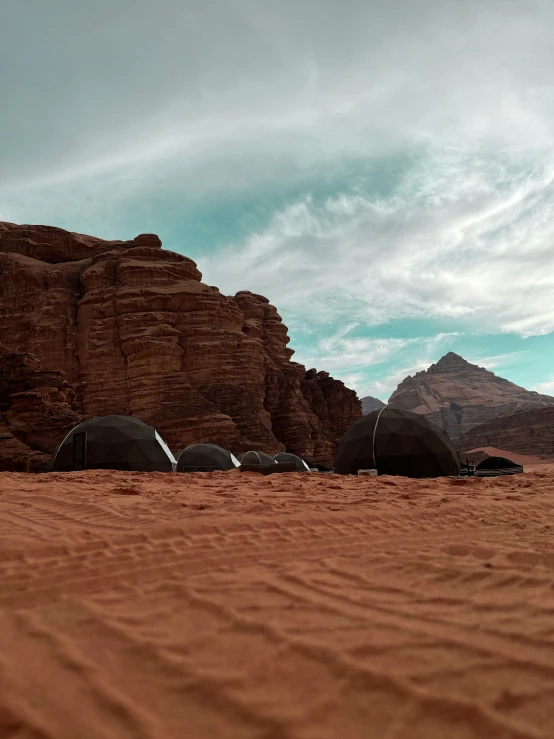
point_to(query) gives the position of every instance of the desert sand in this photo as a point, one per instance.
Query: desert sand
(301, 606)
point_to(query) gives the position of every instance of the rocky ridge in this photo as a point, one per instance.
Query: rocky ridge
(527, 432)
(457, 395)
(130, 328)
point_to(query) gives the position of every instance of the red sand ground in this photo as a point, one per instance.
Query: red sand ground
(231, 605)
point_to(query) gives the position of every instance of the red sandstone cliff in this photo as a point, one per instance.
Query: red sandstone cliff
(527, 432)
(135, 331)
(37, 409)
(457, 395)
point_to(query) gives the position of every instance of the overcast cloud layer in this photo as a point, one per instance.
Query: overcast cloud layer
(383, 172)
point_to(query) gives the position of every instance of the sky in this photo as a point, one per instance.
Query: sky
(382, 172)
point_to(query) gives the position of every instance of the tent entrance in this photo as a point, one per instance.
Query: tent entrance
(80, 451)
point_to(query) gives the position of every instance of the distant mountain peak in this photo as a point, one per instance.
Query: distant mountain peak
(452, 361)
(370, 404)
(457, 395)
(452, 357)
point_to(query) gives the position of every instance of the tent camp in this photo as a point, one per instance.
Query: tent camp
(112, 443)
(396, 442)
(287, 457)
(205, 458)
(494, 466)
(255, 458)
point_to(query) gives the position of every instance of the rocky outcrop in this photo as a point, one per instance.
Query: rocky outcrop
(135, 331)
(370, 404)
(457, 395)
(37, 409)
(527, 432)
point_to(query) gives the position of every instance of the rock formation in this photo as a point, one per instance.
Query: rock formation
(527, 432)
(36, 411)
(370, 404)
(131, 329)
(457, 395)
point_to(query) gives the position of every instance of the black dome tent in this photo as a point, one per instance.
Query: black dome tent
(396, 442)
(287, 457)
(494, 466)
(255, 458)
(205, 458)
(112, 443)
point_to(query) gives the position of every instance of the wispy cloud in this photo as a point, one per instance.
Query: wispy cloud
(374, 366)
(118, 117)
(546, 387)
(497, 360)
(477, 253)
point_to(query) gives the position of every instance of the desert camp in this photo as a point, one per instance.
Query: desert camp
(276, 369)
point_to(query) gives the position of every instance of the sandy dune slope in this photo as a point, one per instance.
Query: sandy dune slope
(229, 605)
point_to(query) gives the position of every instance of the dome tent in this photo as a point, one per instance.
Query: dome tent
(255, 458)
(493, 466)
(315, 466)
(287, 457)
(113, 443)
(396, 442)
(205, 458)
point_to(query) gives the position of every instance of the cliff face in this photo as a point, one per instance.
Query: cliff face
(457, 395)
(132, 329)
(526, 432)
(37, 409)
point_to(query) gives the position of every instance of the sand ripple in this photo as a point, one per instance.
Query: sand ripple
(302, 606)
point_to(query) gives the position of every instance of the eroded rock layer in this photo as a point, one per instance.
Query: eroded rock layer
(457, 395)
(527, 432)
(131, 329)
(37, 409)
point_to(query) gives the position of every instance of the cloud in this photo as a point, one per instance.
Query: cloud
(547, 387)
(497, 360)
(347, 355)
(364, 363)
(403, 162)
(474, 249)
(384, 387)
(233, 87)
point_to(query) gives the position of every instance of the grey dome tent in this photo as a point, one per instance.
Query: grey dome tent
(255, 458)
(287, 457)
(494, 466)
(396, 442)
(205, 458)
(112, 443)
